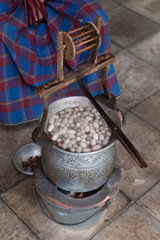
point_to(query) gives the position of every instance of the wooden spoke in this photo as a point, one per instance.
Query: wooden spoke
(85, 49)
(82, 34)
(90, 40)
(77, 29)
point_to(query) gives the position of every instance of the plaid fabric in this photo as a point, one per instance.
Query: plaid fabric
(28, 55)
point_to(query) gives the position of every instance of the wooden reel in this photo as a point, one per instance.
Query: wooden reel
(88, 35)
(76, 41)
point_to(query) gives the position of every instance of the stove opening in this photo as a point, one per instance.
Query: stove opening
(79, 194)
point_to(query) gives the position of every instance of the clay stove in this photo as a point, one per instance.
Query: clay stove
(75, 211)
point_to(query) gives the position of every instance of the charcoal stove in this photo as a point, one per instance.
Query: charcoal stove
(75, 211)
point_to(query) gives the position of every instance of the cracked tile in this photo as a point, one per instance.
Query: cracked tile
(134, 77)
(13, 137)
(136, 180)
(148, 50)
(21, 200)
(148, 8)
(150, 201)
(148, 110)
(135, 224)
(12, 227)
(127, 27)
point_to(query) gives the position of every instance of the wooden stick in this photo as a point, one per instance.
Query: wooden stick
(98, 23)
(81, 34)
(115, 129)
(70, 77)
(77, 29)
(60, 73)
(85, 49)
(104, 76)
(94, 53)
(90, 40)
(81, 39)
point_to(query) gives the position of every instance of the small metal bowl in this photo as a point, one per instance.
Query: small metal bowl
(23, 154)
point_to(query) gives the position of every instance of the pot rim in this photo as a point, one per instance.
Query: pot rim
(112, 140)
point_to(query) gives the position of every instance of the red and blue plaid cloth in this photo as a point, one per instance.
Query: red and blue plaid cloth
(28, 55)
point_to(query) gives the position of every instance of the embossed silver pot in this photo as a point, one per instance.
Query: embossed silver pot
(78, 172)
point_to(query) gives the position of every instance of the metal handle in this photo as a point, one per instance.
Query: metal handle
(39, 136)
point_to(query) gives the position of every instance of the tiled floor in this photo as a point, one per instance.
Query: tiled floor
(135, 213)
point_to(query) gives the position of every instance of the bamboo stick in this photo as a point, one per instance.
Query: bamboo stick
(81, 39)
(89, 40)
(77, 29)
(81, 34)
(85, 49)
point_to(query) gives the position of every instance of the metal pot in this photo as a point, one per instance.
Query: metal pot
(78, 172)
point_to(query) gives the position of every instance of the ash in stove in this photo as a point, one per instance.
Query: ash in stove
(79, 194)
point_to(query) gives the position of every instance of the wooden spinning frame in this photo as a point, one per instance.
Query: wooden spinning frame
(69, 44)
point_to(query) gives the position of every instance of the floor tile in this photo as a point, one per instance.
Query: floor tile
(13, 137)
(21, 200)
(149, 111)
(12, 228)
(134, 224)
(107, 5)
(136, 180)
(148, 8)
(150, 202)
(148, 50)
(126, 26)
(121, 1)
(134, 77)
(115, 49)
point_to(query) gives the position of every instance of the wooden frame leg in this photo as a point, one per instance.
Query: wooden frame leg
(104, 77)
